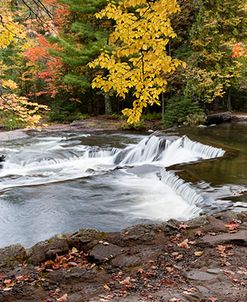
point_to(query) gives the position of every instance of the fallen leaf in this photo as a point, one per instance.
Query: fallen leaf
(169, 269)
(106, 287)
(183, 226)
(232, 226)
(198, 253)
(198, 233)
(212, 299)
(64, 298)
(7, 289)
(184, 244)
(9, 283)
(126, 282)
(74, 250)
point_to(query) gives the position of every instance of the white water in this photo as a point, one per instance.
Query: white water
(91, 186)
(53, 160)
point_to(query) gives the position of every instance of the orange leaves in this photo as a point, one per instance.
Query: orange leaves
(73, 259)
(238, 51)
(184, 244)
(232, 226)
(50, 68)
(40, 51)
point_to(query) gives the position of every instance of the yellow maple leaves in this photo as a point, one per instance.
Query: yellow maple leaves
(10, 30)
(138, 62)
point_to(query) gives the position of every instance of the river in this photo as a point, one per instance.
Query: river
(58, 182)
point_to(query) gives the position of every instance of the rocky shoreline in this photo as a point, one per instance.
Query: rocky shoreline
(204, 259)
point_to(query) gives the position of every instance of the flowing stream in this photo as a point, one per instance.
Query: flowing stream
(59, 182)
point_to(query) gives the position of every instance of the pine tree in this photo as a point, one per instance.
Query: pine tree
(82, 38)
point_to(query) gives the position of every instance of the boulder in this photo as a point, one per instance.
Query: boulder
(102, 253)
(239, 238)
(85, 239)
(48, 249)
(219, 118)
(11, 255)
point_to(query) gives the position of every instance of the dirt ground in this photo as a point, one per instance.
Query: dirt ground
(204, 259)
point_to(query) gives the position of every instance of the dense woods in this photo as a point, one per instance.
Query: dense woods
(66, 59)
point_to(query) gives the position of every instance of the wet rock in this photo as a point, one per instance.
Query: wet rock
(215, 225)
(242, 216)
(219, 118)
(126, 261)
(239, 238)
(14, 134)
(11, 255)
(48, 249)
(102, 253)
(213, 270)
(63, 275)
(139, 233)
(228, 216)
(198, 222)
(239, 117)
(199, 275)
(85, 239)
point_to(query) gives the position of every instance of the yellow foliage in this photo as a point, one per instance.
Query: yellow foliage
(10, 30)
(27, 112)
(138, 62)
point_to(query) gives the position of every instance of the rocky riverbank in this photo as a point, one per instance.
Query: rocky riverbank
(199, 260)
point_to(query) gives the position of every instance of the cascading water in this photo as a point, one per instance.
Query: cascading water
(69, 178)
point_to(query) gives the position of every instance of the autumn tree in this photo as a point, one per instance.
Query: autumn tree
(12, 32)
(137, 61)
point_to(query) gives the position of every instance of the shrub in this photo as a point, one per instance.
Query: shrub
(182, 111)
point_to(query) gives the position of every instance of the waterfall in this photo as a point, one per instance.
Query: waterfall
(56, 159)
(182, 188)
(167, 152)
(147, 150)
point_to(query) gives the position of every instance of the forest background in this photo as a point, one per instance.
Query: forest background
(64, 60)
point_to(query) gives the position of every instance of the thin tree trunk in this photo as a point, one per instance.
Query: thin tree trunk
(108, 108)
(163, 107)
(229, 102)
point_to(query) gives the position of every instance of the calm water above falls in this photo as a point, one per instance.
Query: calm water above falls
(59, 182)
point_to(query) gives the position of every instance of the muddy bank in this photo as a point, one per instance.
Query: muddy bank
(200, 260)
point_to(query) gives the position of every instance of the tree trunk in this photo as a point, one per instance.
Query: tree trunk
(108, 108)
(229, 102)
(163, 107)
